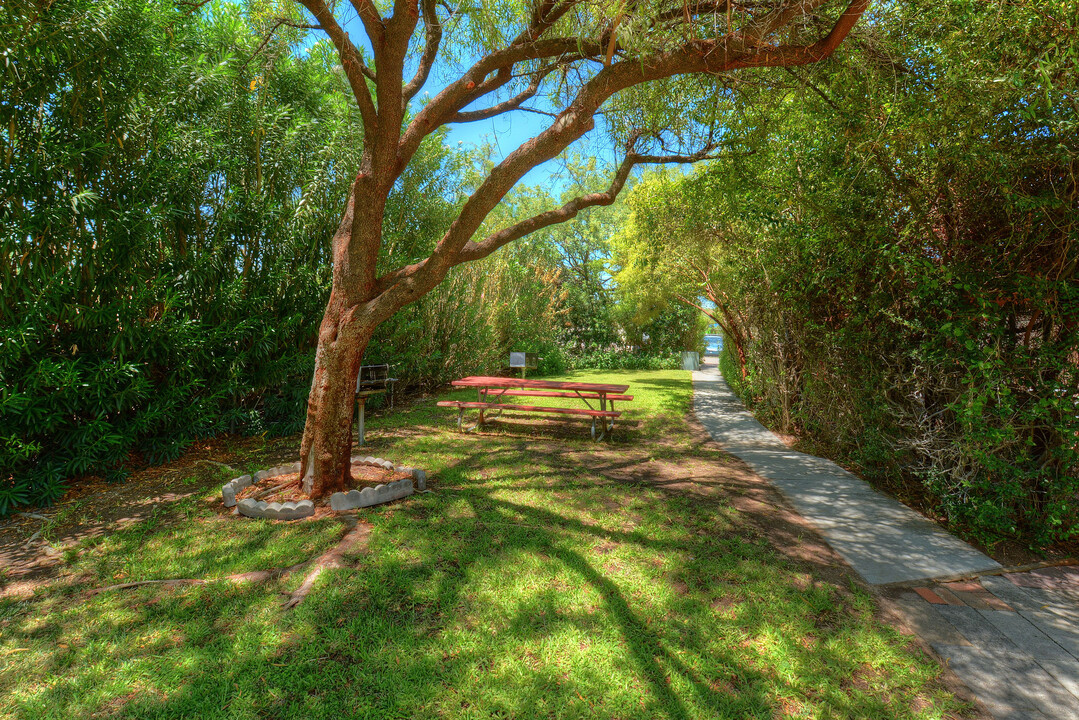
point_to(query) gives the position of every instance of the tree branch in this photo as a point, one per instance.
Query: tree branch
(269, 35)
(812, 86)
(475, 82)
(476, 250)
(678, 12)
(372, 21)
(408, 283)
(707, 312)
(433, 31)
(512, 104)
(791, 55)
(350, 61)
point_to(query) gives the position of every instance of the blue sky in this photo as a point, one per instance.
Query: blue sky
(505, 132)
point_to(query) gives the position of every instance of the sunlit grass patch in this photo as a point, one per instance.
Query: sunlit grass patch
(534, 581)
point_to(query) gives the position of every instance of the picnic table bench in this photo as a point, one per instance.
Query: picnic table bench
(494, 388)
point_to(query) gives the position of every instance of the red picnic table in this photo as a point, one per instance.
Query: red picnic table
(488, 388)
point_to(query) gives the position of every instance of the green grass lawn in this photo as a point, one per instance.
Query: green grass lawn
(544, 576)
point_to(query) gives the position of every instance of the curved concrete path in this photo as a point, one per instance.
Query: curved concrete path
(1013, 639)
(882, 539)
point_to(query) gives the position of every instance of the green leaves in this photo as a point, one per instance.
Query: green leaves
(158, 284)
(168, 190)
(902, 252)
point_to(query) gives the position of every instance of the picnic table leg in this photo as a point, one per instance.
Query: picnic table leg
(478, 424)
(460, 418)
(487, 398)
(610, 426)
(602, 430)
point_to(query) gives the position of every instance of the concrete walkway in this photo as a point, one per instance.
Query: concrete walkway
(1012, 638)
(882, 539)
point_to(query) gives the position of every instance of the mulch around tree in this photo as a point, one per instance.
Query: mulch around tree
(362, 476)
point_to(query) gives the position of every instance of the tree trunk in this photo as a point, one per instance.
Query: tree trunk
(347, 327)
(730, 328)
(327, 436)
(739, 346)
(734, 330)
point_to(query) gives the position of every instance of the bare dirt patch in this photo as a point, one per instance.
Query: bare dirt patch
(33, 543)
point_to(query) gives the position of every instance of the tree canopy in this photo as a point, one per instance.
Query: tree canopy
(896, 267)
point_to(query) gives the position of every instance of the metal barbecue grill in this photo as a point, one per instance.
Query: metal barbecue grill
(524, 360)
(372, 380)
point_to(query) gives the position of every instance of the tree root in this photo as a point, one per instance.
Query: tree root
(353, 541)
(253, 576)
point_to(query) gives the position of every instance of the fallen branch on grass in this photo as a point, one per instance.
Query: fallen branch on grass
(30, 540)
(353, 541)
(253, 576)
(271, 491)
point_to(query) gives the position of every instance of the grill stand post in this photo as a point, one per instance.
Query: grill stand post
(361, 401)
(362, 393)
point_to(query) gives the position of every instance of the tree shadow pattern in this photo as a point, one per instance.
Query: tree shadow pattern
(539, 579)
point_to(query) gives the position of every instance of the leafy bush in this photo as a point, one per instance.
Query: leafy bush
(622, 360)
(900, 261)
(729, 368)
(164, 239)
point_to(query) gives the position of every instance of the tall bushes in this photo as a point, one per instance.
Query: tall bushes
(902, 258)
(168, 187)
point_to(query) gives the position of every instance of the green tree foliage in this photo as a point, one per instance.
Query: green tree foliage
(580, 248)
(609, 320)
(901, 255)
(137, 141)
(169, 184)
(658, 262)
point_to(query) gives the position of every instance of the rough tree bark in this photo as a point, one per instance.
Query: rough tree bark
(554, 40)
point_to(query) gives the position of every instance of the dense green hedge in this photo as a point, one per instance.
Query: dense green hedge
(619, 360)
(168, 198)
(134, 148)
(902, 259)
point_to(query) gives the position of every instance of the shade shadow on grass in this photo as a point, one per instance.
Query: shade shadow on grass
(541, 578)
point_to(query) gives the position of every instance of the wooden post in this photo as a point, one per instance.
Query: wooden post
(361, 401)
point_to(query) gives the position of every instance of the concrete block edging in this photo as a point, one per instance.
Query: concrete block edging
(353, 499)
(339, 502)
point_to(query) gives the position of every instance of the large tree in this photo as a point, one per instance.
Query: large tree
(565, 59)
